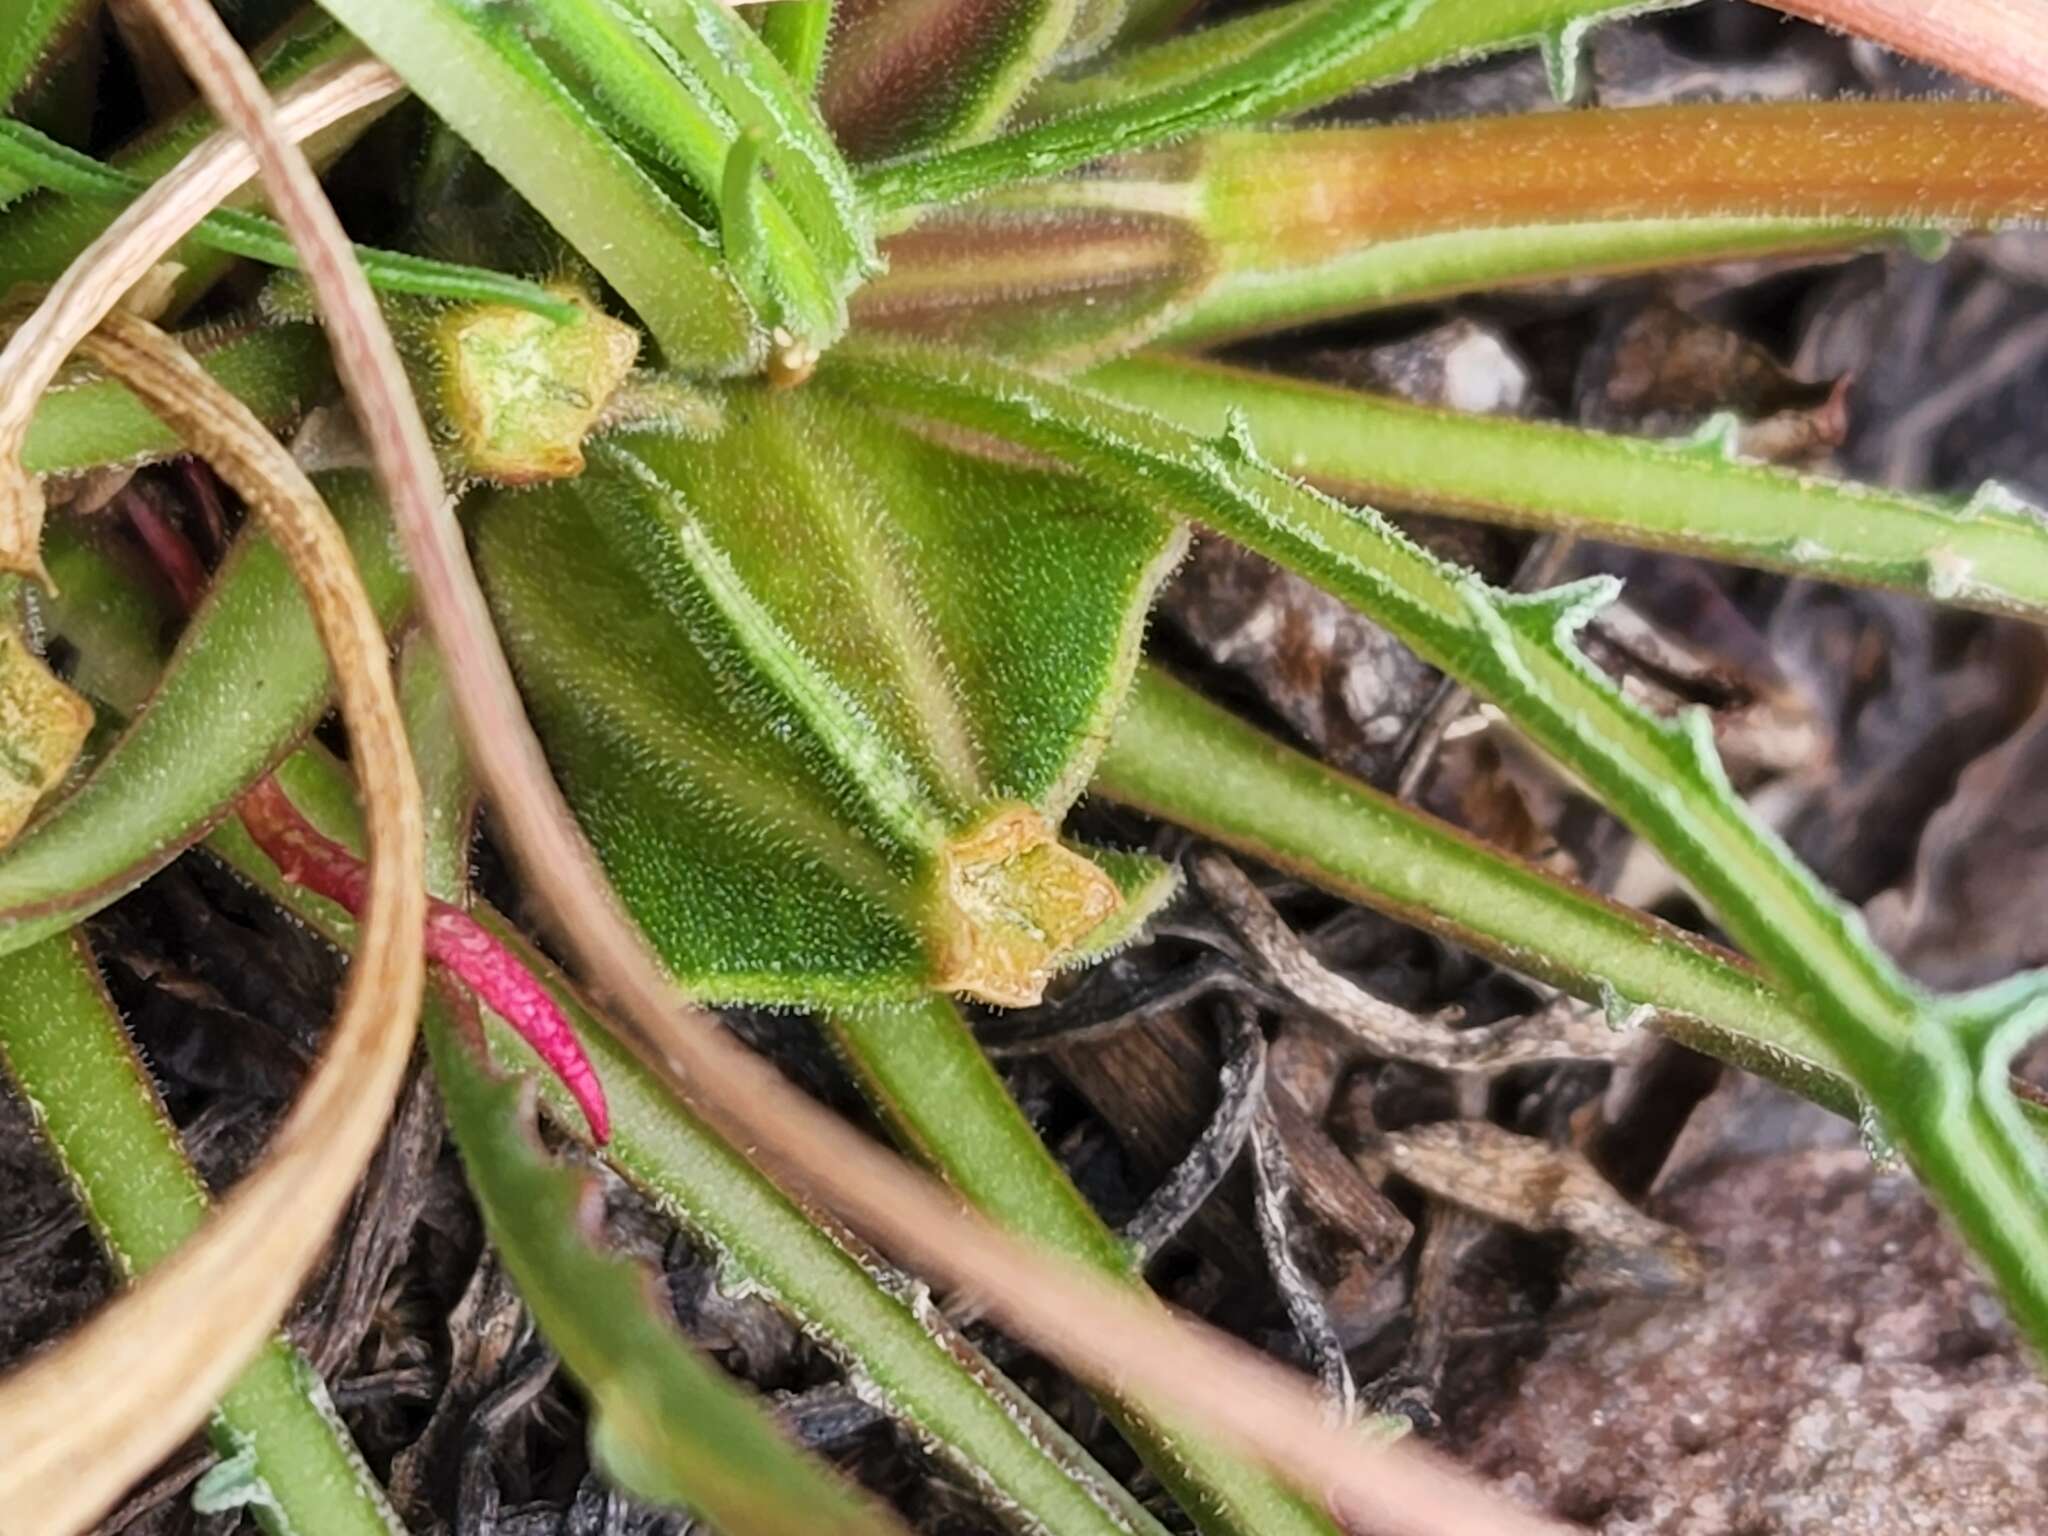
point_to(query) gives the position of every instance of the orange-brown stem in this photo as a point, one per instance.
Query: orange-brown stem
(1322, 193)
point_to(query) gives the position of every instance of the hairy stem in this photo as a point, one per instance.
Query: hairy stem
(62, 1043)
(74, 1444)
(930, 1080)
(1992, 554)
(1660, 777)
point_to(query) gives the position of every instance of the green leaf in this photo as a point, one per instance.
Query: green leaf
(473, 66)
(796, 32)
(1314, 222)
(712, 46)
(1178, 756)
(248, 679)
(1240, 231)
(666, 1424)
(620, 75)
(1060, 273)
(819, 688)
(27, 30)
(1247, 87)
(62, 1043)
(887, 1338)
(91, 422)
(1952, 1113)
(43, 162)
(930, 74)
(1443, 33)
(39, 239)
(1990, 553)
(927, 1077)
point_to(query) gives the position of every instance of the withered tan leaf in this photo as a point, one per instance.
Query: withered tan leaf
(86, 1418)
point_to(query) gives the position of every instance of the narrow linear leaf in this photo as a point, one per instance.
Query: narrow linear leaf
(665, 1422)
(62, 1043)
(1990, 552)
(1937, 1068)
(1238, 90)
(43, 236)
(470, 66)
(1237, 232)
(1178, 756)
(247, 680)
(1441, 34)
(892, 1342)
(1296, 218)
(44, 162)
(1425, 268)
(928, 1078)
(92, 422)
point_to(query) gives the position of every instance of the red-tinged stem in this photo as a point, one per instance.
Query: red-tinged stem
(454, 939)
(168, 547)
(2002, 43)
(305, 857)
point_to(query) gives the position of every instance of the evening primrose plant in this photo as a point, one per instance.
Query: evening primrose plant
(815, 391)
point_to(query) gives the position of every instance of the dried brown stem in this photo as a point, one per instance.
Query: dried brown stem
(2000, 43)
(1096, 1327)
(85, 1419)
(123, 253)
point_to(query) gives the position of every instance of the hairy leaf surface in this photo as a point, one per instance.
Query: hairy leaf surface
(821, 688)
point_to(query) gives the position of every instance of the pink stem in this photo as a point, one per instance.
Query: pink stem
(205, 488)
(167, 546)
(456, 940)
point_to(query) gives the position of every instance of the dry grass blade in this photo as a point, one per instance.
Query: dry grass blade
(1098, 1329)
(88, 1417)
(2001, 43)
(121, 256)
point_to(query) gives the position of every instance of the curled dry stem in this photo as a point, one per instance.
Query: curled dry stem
(120, 257)
(1096, 1327)
(88, 1417)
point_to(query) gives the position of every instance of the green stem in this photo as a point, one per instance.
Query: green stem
(796, 32)
(476, 71)
(62, 1042)
(930, 1080)
(1178, 756)
(1677, 496)
(1518, 652)
(93, 422)
(28, 28)
(1449, 32)
(173, 772)
(44, 162)
(1321, 36)
(930, 1376)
